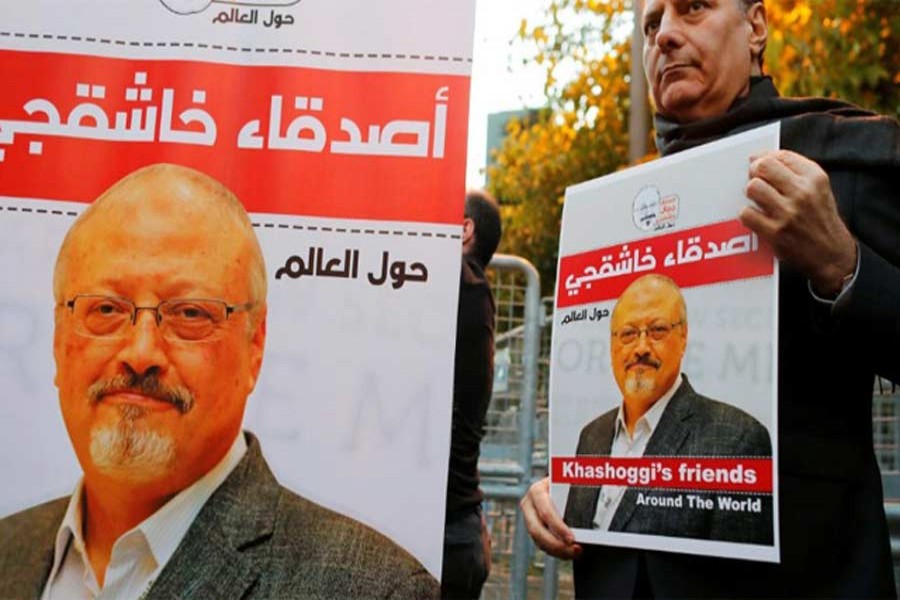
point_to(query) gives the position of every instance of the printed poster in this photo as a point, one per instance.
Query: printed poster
(663, 431)
(342, 130)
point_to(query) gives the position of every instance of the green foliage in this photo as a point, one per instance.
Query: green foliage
(840, 48)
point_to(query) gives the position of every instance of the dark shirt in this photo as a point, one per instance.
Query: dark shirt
(473, 376)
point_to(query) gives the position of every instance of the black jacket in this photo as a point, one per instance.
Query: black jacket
(473, 376)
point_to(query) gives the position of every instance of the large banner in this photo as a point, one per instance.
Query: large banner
(663, 430)
(342, 129)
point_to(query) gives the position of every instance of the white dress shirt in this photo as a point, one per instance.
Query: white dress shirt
(629, 445)
(139, 554)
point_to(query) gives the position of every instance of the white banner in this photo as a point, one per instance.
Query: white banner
(342, 129)
(663, 430)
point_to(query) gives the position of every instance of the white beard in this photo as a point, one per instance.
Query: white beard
(639, 384)
(127, 451)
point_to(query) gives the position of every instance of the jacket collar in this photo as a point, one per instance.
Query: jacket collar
(223, 553)
(760, 106)
(668, 438)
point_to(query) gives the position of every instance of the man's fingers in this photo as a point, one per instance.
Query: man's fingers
(549, 543)
(796, 213)
(797, 163)
(549, 516)
(546, 511)
(772, 169)
(547, 529)
(766, 197)
(800, 182)
(759, 223)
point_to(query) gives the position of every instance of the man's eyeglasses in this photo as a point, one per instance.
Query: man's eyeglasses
(656, 332)
(179, 319)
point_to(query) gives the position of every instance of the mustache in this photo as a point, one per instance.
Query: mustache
(644, 360)
(147, 384)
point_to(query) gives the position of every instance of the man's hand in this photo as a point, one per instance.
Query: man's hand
(544, 524)
(796, 214)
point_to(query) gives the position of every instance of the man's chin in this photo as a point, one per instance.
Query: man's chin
(641, 389)
(680, 101)
(131, 453)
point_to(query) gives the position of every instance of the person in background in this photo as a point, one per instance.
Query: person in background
(467, 545)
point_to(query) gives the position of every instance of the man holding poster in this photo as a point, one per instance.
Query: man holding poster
(160, 326)
(826, 204)
(662, 415)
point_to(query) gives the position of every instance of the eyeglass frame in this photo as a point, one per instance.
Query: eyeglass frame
(229, 309)
(646, 331)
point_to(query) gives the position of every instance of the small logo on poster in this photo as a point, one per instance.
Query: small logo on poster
(652, 211)
(189, 7)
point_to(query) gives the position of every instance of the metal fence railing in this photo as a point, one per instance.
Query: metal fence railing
(886, 437)
(508, 447)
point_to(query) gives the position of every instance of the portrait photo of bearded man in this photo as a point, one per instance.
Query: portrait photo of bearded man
(660, 414)
(159, 333)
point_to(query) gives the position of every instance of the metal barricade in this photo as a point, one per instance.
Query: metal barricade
(886, 437)
(507, 448)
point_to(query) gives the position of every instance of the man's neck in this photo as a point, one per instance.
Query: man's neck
(634, 409)
(107, 516)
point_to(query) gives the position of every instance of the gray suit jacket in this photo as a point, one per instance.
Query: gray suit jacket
(692, 425)
(252, 539)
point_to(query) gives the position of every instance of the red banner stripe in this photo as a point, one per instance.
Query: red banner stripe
(66, 163)
(724, 251)
(688, 473)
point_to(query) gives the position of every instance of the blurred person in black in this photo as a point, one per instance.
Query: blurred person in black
(467, 545)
